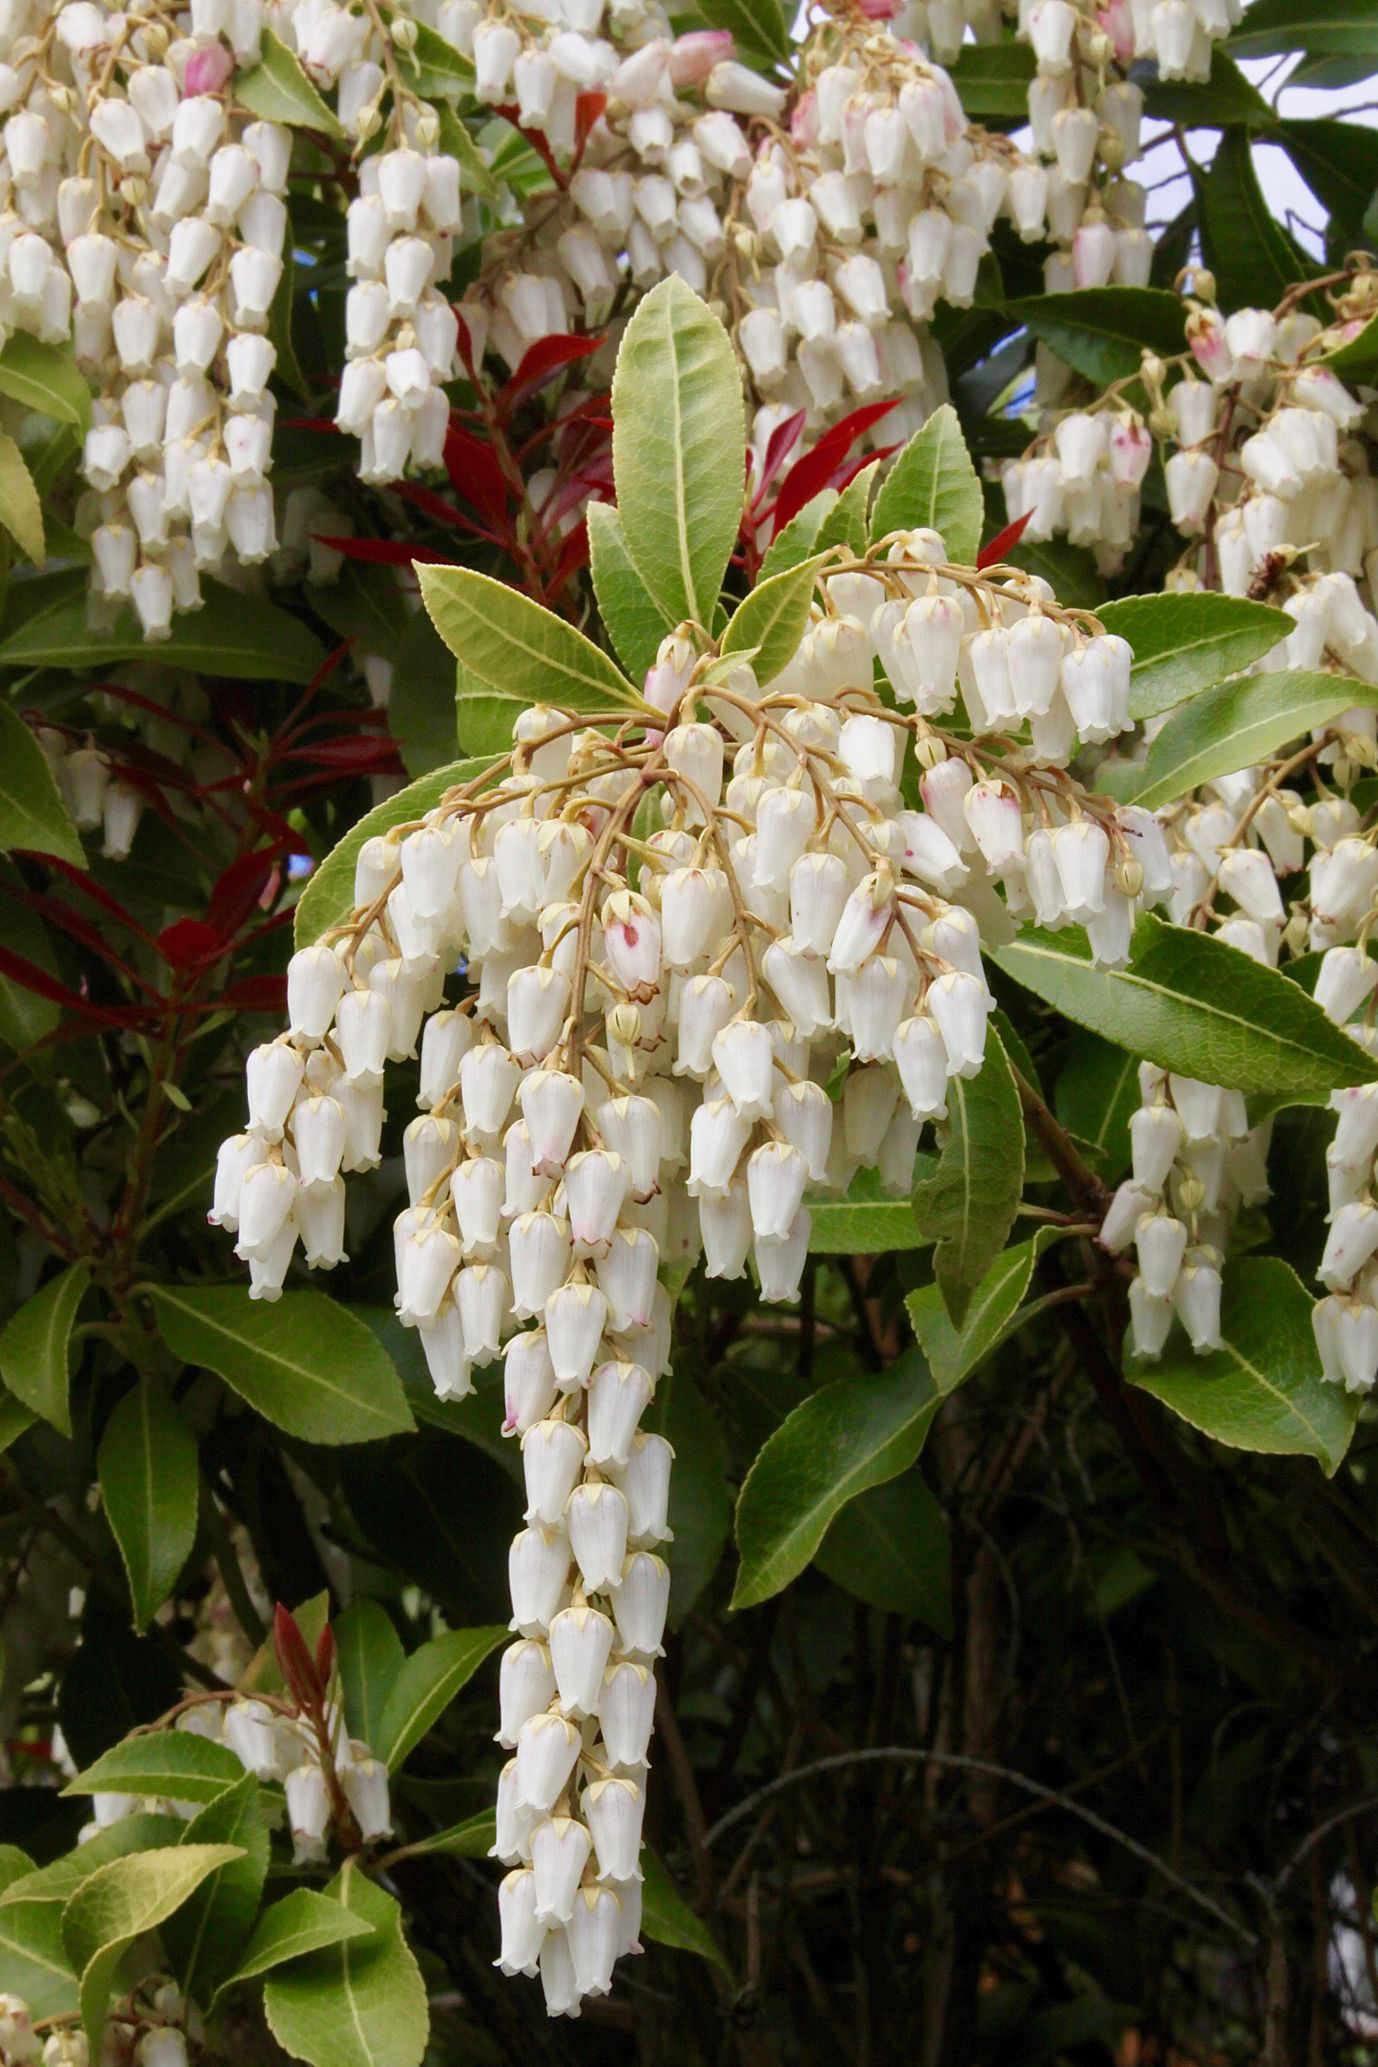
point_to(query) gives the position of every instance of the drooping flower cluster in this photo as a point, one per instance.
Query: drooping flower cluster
(672, 942)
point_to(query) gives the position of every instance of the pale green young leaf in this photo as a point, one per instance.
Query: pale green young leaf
(773, 619)
(56, 1883)
(204, 1937)
(149, 1484)
(1239, 724)
(969, 1201)
(425, 1687)
(122, 1901)
(370, 1657)
(1262, 1389)
(278, 90)
(995, 1312)
(1184, 643)
(890, 1548)
(932, 485)
(45, 377)
(836, 1443)
(328, 898)
(802, 536)
(35, 1346)
(456, 142)
(758, 25)
(635, 622)
(678, 449)
(848, 522)
(666, 1917)
(357, 2003)
(302, 1361)
(865, 1223)
(33, 1959)
(173, 1765)
(301, 1922)
(434, 69)
(32, 813)
(21, 512)
(1193, 1004)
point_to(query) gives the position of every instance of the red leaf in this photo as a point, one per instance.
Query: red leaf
(325, 1655)
(253, 994)
(587, 109)
(475, 474)
(106, 899)
(239, 889)
(186, 942)
(779, 446)
(356, 752)
(547, 357)
(61, 915)
(29, 976)
(574, 553)
(295, 1662)
(382, 552)
(991, 555)
(813, 473)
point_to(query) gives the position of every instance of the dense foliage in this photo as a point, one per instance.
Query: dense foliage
(698, 649)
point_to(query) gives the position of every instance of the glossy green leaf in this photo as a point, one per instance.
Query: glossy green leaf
(222, 638)
(56, 1883)
(635, 621)
(1191, 1003)
(1339, 162)
(119, 1904)
(204, 1938)
(865, 1223)
(1225, 97)
(34, 1348)
(1357, 359)
(995, 1311)
(149, 1481)
(474, 1838)
(773, 619)
(173, 1765)
(1240, 724)
(15, 1420)
(302, 1362)
(666, 1917)
(1337, 28)
(21, 512)
(328, 898)
(433, 68)
(1103, 332)
(836, 1443)
(32, 813)
(1252, 255)
(992, 79)
(848, 521)
(278, 89)
(25, 1017)
(358, 2003)
(1096, 1093)
(1262, 1389)
(301, 1922)
(1184, 643)
(932, 485)
(426, 1686)
(33, 1959)
(370, 1658)
(758, 25)
(802, 536)
(45, 377)
(969, 1202)
(890, 1548)
(678, 449)
(455, 140)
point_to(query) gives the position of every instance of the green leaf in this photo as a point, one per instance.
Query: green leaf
(1339, 162)
(288, 365)
(1184, 643)
(371, 1658)
(666, 1917)
(21, 512)
(45, 377)
(758, 25)
(867, 1222)
(1253, 257)
(56, 1884)
(511, 654)
(32, 814)
(1241, 723)
(15, 1420)
(932, 485)
(456, 142)
(1334, 28)
(301, 1922)
(635, 621)
(474, 1838)
(1103, 332)
(359, 2003)
(426, 1686)
(992, 79)
(222, 638)
(891, 1549)
(700, 1512)
(1226, 97)
(678, 449)
(34, 1347)
(303, 1362)
(25, 1017)
(33, 1959)
(992, 1317)
(277, 89)
(433, 68)
(848, 521)
(802, 536)
(1262, 1389)
(205, 1936)
(773, 619)
(328, 898)
(1193, 1004)
(122, 1901)
(836, 1444)
(969, 1203)
(1096, 1094)
(14, 1865)
(149, 1484)
(173, 1765)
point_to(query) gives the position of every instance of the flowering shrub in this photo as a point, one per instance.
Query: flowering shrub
(681, 701)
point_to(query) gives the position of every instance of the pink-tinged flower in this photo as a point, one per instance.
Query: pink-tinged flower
(803, 121)
(693, 57)
(207, 70)
(878, 10)
(1118, 24)
(1206, 336)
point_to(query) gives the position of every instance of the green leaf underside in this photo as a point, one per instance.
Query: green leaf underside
(35, 1344)
(1239, 724)
(968, 1204)
(328, 898)
(149, 1484)
(992, 1316)
(635, 621)
(425, 1687)
(864, 1223)
(163, 1764)
(514, 652)
(890, 1548)
(301, 1922)
(303, 1362)
(932, 485)
(56, 1884)
(21, 512)
(358, 2003)
(837, 1443)
(1262, 1389)
(1195, 1005)
(678, 424)
(1186, 643)
(32, 813)
(278, 89)
(119, 1904)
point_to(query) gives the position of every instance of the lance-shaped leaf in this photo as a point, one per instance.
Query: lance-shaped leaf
(968, 1203)
(360, 2002)
(773, 619)
(278, 89)
(149, 1485)
(426, 1686)
(45, 377)
(370, 1657)
(864, 1223)
(1193, 1004)
(1240, 724)
(995, 1311)
(1103, 332)
(21, 512)
(635, 621)
(1262, 1389)
(933, 486)
(119, 1904)
(32, 814)
(667, 1918)
(56, 1884)
(1184, 643)
(301, 1922)
(838, 1442)
(1251, 253)
(891, 1549)
(204, 1936)
(221, 638)
(35, 1345)
(172, 1765)
(678, 449)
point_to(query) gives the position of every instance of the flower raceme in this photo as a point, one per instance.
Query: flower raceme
(666, 978)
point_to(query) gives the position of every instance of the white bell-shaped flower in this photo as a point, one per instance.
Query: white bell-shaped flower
(580, 1644)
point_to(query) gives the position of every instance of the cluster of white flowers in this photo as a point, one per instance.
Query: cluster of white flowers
(155, 2035)
(1177, 33)
(673, 943)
